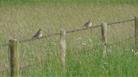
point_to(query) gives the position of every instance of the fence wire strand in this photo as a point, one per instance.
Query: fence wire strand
(70, 31)
(118, 22)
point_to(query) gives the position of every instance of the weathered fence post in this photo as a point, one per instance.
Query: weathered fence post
(63, 48)
(14, 58)
(104, 41)
(136, 34)
(104, 38)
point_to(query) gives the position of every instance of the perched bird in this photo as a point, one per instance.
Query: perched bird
(88, 24)
(38, 34)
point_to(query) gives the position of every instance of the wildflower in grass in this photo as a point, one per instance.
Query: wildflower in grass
(79, 38)
(83, 44)
(90, 40)
(134, 52)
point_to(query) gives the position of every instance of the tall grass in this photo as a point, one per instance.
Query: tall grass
(69, 2)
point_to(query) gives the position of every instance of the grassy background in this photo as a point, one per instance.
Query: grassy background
(69, 2)
(84, 57)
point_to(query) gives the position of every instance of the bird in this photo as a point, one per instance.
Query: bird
(88, 24)
(38, 34)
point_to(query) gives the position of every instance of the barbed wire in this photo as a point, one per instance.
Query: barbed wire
(118, 22)
(79, 29)
(70, 31)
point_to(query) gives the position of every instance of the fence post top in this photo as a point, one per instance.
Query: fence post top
(103, 23)
(136, 17)
(13, 40)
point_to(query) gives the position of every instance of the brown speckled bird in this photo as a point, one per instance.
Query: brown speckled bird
(88, 24)
(38, 34)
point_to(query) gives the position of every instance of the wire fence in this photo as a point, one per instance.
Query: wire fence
(71, 31)
(24, 66)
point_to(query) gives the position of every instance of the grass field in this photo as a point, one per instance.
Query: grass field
(68, 2)
(84, 58)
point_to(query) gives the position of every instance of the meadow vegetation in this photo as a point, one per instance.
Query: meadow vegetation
(68, 2)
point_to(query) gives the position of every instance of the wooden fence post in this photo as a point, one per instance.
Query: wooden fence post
(136, 34)
(63, 49)
(104, 38)
(14, 58)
